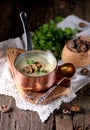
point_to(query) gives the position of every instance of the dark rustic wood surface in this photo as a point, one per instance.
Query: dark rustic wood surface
(17, 119)
(38, 12)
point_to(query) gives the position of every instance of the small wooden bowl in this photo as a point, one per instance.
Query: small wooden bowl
(80, 59)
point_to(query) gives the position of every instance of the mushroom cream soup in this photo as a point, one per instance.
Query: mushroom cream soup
(36, 64)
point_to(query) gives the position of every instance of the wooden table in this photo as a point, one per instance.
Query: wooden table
(18, 119)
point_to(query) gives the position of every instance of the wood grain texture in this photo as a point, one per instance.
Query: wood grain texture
(79, 120)
(38, 13)
(82, 119)
(18, 119)
(64, 122)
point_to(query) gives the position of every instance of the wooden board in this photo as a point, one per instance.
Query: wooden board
(61, 90)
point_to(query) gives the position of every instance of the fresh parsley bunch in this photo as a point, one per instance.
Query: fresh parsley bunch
(53, 38)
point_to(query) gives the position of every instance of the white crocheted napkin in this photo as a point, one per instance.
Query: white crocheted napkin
(7, 86)
(73, 21)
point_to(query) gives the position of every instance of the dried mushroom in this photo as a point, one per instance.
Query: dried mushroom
(34, 67)
(79, 128)
(82, 24)
(30, 69)
(75, 108)
(39, 64)
(4, 108)
(66, 111)
(78, 45)
(82, 47)
(84, 71)
(72, 46)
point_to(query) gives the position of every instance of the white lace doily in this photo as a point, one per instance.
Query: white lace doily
(7, 86)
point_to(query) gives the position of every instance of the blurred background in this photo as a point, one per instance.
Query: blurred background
(38, 12)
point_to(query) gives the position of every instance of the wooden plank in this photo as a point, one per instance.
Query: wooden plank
(75, 120)
(86, 106)
(79, 118)
(7, 118)
(31, 121)
(18, 119)
(86, 10)
(63, 122)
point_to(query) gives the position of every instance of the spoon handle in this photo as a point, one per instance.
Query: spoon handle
(44, 96)
(23, 17)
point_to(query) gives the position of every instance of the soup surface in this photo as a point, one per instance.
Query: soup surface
(28, 64)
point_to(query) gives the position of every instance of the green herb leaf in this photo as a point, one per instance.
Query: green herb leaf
(30, 62)
(58, 18)
(39, 70)
(53, 38)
